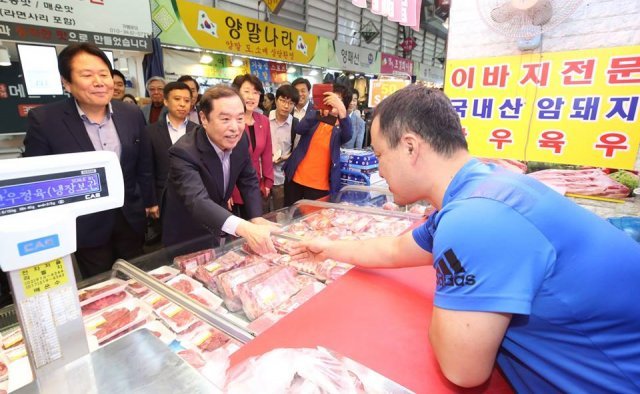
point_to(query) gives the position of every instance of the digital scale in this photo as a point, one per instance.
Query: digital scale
(40, 199)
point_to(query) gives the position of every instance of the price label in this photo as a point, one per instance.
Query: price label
(43, 277)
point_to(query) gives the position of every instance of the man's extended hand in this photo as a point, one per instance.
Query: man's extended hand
(316, 249)
(257, 233)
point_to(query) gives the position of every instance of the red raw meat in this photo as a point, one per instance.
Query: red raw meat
(199, 299)
(267, 290)
(90, 293)
(115, 320)
(589, 182)
(183, 286)
(511, 165)
(215, 340)
(189, 262)
(103, 303)
(192, 357)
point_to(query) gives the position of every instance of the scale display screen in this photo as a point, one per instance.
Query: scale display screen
(44, 191)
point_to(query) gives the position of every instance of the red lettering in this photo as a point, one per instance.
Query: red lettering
(553, 139)
(500, 137)
(611, 141)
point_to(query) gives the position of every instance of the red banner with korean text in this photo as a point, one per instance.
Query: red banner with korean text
(395, 64)
(578, 107)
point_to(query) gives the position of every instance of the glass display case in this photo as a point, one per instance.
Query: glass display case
(205, 304)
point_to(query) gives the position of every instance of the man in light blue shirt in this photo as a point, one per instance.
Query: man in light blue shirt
(357, 124)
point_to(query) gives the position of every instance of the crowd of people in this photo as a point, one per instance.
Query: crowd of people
(525, 277)
(190, 170)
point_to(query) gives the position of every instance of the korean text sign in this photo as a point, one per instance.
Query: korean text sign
(212, 28)
(578, 107)
(65, 21)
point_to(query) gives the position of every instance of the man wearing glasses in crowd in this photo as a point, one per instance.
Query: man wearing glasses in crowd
(282, 137)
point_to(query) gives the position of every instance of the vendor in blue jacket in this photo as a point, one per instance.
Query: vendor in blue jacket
(525, 278)
(313, 170)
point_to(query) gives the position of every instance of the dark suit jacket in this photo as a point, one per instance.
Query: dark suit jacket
(160, 143)
(194, 203)
(57, 128)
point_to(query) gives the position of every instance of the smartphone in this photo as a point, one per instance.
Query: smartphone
(318, 95)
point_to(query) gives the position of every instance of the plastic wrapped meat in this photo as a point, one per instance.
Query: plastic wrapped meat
(188, 263)
(331, 270)
(208, 339)
(320, 220)
(192, 357)
(588, 182)
(101, 290)
(228, 283)
(115, 321)
(267, 290)
(207, 273)
(306, 266)
(103, 303)
(308, 288)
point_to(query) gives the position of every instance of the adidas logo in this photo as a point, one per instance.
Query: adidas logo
(449, 272)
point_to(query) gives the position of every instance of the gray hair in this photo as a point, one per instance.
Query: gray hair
(164, 82)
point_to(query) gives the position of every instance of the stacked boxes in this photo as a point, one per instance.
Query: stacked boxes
(356, 166)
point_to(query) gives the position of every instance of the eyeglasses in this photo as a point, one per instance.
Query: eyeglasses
(285, 102)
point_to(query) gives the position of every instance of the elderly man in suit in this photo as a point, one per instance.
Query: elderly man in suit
(90, 121)
(204, 167)
(155, 109)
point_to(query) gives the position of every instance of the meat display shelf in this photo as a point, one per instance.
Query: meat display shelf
(346, 330)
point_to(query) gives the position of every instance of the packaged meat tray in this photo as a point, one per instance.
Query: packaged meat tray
(268, 319)
(184, 284)
(176, 317)
(12, 339)
(228, 282)
(101, 290)
(267, 290)
(207, 339)
(116, 319)
(104, 302)
(207, 273)
(206, 298)
(154, 300)
(163, 274)
(188, 263)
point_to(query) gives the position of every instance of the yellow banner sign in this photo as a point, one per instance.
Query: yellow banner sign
(379, 89)
(578, 107)
(223, 31)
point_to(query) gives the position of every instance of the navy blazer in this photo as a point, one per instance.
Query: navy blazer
(307, 128)
(195, 204)
(57, 128)
(158, 134)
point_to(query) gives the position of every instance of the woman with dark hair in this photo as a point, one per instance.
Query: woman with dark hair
(258, 132)
(129, 98)
(267, 103)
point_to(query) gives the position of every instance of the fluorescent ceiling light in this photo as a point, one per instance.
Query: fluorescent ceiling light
(291, 70)
(313, 72)
(237, 62)
(206, 58)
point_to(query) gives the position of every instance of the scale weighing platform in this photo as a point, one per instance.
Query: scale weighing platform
(40, 199)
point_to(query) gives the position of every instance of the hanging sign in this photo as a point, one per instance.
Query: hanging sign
(577, 107)
(187, 23)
